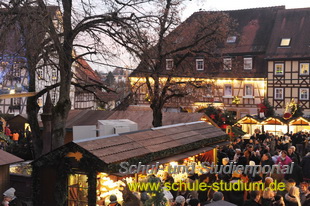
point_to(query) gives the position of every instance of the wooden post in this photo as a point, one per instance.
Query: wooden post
(92, 188)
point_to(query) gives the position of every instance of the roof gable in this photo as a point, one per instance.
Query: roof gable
(7, 158)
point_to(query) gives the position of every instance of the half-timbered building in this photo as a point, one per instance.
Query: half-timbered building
(14, 69)
(288, 57)
(237, 82)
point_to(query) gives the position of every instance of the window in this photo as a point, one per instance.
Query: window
(209, 89)
(77, 189)
(231, 39)
(279, 68)
(228, 90)
(227, 63)
(54, 74)
(304, 94)
(169, 64)
(285, 42)
(248, 90)
(278, 93)
(247, 63)
(40, 74)
(199, 64)
(304, 68)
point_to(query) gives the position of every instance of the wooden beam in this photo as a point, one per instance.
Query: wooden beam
(17, 95)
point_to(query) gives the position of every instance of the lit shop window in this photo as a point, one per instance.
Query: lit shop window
(77, 189)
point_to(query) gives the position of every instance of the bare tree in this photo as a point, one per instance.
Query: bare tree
(54, 46)
(158, 38)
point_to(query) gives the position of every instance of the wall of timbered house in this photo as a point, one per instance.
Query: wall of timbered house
(219, 92)
(287, 80)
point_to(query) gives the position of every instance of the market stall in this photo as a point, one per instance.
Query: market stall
(88, 172)
(275, 125)
(6, 159)
(249, 124)
(299, 124)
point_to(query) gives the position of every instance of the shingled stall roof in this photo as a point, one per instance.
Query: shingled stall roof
(7, 158)
(156, 143)
(293, 24)
(104, 154)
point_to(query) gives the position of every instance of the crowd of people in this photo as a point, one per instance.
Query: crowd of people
(261, 149)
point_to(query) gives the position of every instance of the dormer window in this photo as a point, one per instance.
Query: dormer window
(231, 39)
(227, 63)
(169, 64)
(199, 64)
(285, 42)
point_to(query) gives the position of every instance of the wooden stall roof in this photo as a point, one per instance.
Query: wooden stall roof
(300, 121)
(248, 120)
(273, 121)
(121, 147)
(7, 158)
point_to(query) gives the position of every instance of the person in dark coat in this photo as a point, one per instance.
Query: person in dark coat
(305, 164)
(278, 201)
(242, 160)
(307, 200)
(254, 201)
(296, 173)
(12, 199)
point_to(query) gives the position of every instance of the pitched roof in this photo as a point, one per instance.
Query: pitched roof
(142, 118)
(86, 117)
(294, 24)
(85, 73)
(250, 27)
(136, 144)
(7, 158)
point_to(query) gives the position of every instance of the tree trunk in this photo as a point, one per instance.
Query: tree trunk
(157, 115)
(62, 108)
(63, 105)
(32, 112)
